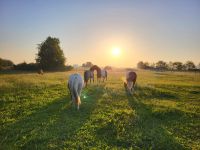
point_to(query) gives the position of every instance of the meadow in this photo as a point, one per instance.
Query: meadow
(162, 113)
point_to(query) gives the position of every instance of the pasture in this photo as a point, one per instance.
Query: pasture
(163, 112)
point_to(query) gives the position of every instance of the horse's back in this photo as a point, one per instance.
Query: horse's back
(75, 78)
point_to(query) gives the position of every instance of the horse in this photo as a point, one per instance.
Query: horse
(88, 75)
(75, 86)
(130, 81)
(40, 72)
(95, 67)
(104, 74)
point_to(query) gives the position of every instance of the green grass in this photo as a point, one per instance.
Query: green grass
(163, 112)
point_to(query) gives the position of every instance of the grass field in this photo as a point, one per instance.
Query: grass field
(163, 112)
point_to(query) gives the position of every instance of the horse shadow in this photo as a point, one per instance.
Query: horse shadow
(50, 126)
(151, 130)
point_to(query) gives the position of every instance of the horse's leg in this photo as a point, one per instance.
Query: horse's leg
(69, 90)
(134, 83)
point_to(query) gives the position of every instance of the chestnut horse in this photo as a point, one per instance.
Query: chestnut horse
(95, 67)
(130, 81)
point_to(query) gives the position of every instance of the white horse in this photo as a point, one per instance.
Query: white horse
(75, 85)
(104, 74)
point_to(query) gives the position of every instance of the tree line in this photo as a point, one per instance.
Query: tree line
(171, 66)
(50, 57)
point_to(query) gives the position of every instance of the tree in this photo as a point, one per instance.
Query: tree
(108, 68)
(177, 66)
(146, 65)
(140, 65)
(198, 66)
(189, 65)
(50, 56)
(87, 64)
(5, 64)
(161, 65)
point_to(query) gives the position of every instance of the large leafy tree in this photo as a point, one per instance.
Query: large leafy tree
(50, 56)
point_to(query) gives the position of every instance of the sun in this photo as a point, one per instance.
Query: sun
(116, 51)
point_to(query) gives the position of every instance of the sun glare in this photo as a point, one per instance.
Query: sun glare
(116, 52)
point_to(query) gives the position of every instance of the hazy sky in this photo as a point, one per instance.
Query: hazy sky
(148, 30)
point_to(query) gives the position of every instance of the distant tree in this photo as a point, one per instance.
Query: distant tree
(140, 65)
(178, 66)
(83, 65)
(50, 56)
(189, 65)
(161, 65)
(87, 64)
(108, 68)
(146, 65)
(143, 65)
(69, 67)
(5, 64)
(198, 66)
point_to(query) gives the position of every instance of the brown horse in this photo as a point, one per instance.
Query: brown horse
(95, 67)
(130, 81)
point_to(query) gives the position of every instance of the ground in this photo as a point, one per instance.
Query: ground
(162, 113)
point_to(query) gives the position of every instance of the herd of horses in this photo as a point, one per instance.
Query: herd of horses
(76, 82)
(89, 74)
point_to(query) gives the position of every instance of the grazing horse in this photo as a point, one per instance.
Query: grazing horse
(88, 75)
(130, 81)
(40, 72)
(75, 85)
(104, 74)
(95, 67)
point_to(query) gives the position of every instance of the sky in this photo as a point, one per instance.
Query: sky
(144, 30)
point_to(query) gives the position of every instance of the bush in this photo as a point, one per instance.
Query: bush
(27, 67)
(5, 64)
(68, 68)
